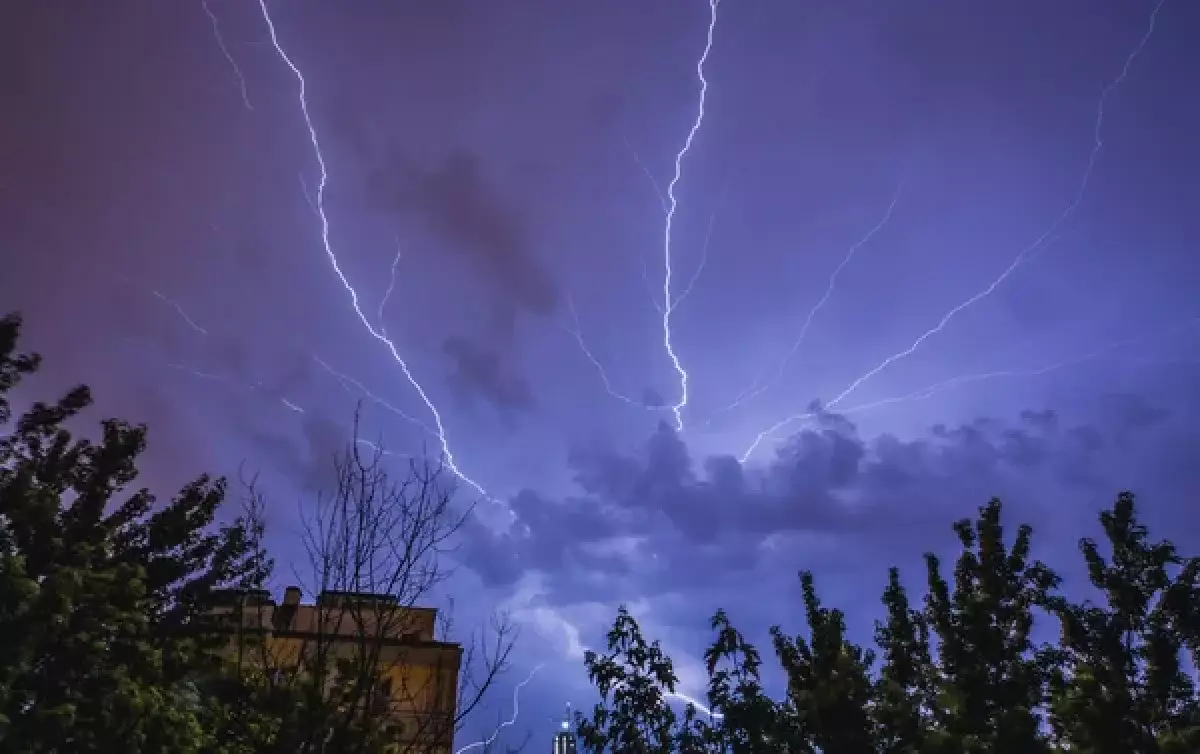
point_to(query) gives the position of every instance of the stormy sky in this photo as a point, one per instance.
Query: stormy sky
(682, 331)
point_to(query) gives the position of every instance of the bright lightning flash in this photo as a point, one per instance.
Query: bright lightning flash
(1039, 243)
(669, 302)
(319, 205)
(507, 723)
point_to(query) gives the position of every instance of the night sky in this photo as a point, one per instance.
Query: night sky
(967, 229)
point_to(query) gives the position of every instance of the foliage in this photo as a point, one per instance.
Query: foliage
(124, 624)
(103, 595)
(961, 674)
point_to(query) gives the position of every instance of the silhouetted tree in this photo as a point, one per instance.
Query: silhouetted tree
(749, 719)
(367, 676)
(828, 683)
(992, 681)
(961, 675)
(1122, 685)
(104, 596)
(634, 678)
(905, 691)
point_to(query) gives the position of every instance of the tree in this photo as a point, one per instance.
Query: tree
(992, 682)
(828, 687)
(368, 674)
(905, 691)
(633, 678)
(961, 675)
(1123, 686)
(749, 719)
(104, 596)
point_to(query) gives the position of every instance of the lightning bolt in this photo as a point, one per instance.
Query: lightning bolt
(510, 721)
(180, 310)
(758, 386)
(237, 71)
(307, 196)
(331, 256)
(250, 388)
(687, 289)
(1024, 254)
(576, 331)
(692, 701)
(929, 391)
(347, 382)
(669, 303)
(662, 198)
(187, 318)
(284, 400)
(391, 286)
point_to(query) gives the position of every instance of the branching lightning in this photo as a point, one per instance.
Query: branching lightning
(669, 303)
(662, 198)
(955, 382)
(1039, 243)
(510, 721)
(175, 305)
(237, 71)
(391, 287)
(187, 318)
(307, 196)
(349, 382)
(575, 330)
(760, 386)
(319, 204)
(283, 400)
(687, 289)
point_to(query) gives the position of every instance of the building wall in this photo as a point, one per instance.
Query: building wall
(420, 672)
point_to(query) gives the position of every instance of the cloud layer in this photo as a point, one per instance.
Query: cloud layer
(662, 521)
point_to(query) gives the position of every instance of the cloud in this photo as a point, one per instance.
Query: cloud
(484, 373)
(456, 202)
(661, 521)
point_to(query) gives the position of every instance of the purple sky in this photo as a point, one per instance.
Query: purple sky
(515, 156)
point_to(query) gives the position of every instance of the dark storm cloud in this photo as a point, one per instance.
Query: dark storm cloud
(653, 399)
(457, 202)
(662, 520)
(483, 372)
(307, 460)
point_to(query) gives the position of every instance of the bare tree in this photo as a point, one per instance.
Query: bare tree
(368, 666)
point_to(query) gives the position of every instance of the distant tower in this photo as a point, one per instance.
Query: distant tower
(564, 740)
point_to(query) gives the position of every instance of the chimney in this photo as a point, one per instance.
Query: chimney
(291, 596)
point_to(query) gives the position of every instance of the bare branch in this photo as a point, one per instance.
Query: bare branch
(370, 660)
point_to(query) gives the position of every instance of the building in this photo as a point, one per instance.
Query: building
(564, 739)
(418, 674)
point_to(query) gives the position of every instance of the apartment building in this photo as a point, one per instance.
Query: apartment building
(418, 674)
